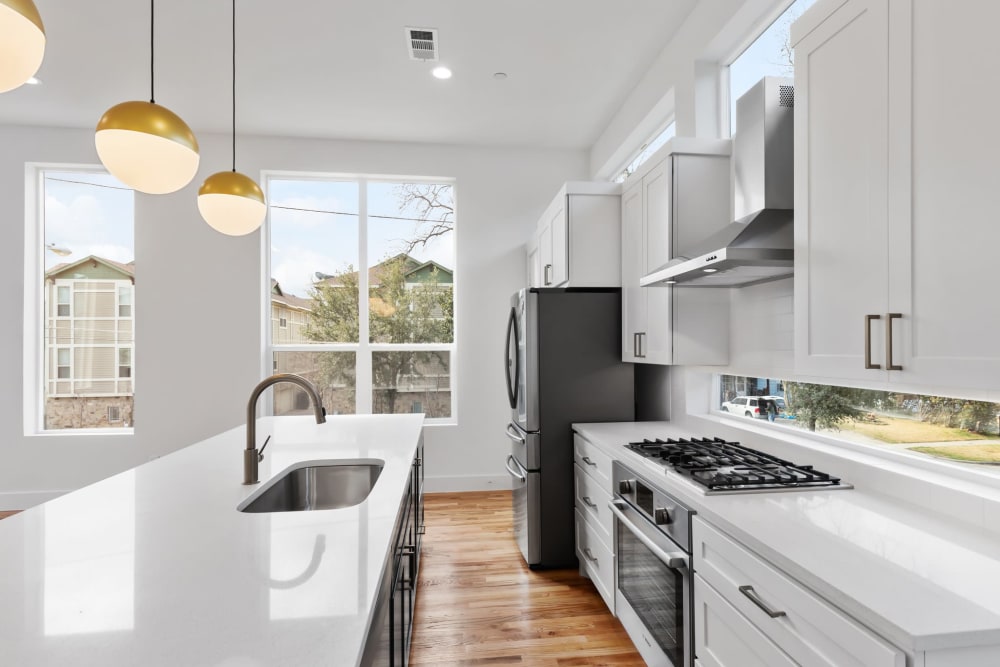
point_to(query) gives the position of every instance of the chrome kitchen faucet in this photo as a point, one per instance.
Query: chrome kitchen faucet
(252, 456)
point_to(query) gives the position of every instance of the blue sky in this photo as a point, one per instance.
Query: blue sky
(93, 219)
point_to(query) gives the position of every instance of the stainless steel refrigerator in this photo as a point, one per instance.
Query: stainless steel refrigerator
(563, 365)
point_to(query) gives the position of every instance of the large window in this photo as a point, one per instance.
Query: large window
(768, 55)
(940, 427)
(79, 331)
(332, 240)
(646, 152)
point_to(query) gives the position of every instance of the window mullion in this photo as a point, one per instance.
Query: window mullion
(363, 360)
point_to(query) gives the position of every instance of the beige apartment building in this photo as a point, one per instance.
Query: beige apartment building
(89, 344)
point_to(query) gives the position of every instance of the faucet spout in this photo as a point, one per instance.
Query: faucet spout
(252, 456)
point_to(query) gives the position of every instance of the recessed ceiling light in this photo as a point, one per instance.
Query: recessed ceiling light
(709, 270)
(441, 72)
(499, 75)
(33, 81)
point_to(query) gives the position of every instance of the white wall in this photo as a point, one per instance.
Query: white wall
(198, 328)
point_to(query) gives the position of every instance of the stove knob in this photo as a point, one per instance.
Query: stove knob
(625, 486)
(661, 516)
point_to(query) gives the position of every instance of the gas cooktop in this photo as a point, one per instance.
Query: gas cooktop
(728, 467)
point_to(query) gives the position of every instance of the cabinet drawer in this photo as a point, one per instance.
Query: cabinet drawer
(809, 630)
(723, 637)
(592, 501)
(595, 462)
(595, 559)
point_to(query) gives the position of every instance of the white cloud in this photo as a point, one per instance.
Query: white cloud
(297, 268)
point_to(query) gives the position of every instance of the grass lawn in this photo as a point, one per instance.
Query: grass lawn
(978, 453)
(896, 431)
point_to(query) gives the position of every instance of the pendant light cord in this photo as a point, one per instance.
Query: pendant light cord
(234, 86)
(152, 55)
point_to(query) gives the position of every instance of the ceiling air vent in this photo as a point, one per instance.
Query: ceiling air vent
(422, 43)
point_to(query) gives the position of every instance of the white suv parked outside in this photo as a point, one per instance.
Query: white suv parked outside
(745, 406)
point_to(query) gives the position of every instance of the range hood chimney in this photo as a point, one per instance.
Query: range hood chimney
(758, 246)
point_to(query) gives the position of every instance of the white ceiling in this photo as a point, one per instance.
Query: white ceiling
(339, 68)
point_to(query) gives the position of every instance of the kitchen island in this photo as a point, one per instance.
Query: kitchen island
(155, 566)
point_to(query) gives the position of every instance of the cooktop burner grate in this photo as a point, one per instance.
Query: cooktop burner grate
(719, 465)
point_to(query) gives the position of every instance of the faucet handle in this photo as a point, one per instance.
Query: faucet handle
(260, 452)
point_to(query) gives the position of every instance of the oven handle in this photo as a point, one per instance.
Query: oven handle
(675, 561)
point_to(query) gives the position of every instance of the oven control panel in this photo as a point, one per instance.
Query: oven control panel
(655, 503)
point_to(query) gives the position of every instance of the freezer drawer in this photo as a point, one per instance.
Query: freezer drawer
(527, 520)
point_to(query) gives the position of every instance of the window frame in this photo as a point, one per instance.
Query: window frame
(35, 352)
(364, 348)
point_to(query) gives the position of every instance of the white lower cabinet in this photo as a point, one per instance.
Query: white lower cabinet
(723, 637)
(594, 521)
(807, 630)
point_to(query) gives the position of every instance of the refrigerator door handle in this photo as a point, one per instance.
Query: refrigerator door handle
(513, 435)
(512, 386)
(514, 473)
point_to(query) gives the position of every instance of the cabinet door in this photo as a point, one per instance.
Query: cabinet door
(545, 254)
(841, 230)
(723, 637)
(633, 264)
(944, 250)
(656, 343)
(534, 263)
(558, 224)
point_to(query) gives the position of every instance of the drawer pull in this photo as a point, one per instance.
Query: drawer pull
(589, 503)
(589, 554)
(586, 459)
(752, 596)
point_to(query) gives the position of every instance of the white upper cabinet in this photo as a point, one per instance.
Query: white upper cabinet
(896, 192)
(680, 196)
(578, 237)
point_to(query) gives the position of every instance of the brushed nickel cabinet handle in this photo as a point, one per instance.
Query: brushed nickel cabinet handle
(548, 281)
(868, 341)
(586, 459)
(588, 502)
(888, 341)
(635, 345)
(589, 554)
(752, 596)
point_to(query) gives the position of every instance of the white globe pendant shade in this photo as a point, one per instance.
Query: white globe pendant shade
(22, 42)
(232, 203)
(147, 147)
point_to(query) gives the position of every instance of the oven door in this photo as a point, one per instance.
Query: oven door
(653, 595)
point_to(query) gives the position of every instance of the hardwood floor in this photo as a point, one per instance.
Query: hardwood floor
(5, 514)
(479, 604)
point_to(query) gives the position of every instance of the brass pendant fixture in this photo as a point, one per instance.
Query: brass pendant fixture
(145, 145)
(231, 202)
(22, 43)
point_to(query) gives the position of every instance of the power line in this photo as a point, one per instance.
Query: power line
(383, 217)
(96, 185)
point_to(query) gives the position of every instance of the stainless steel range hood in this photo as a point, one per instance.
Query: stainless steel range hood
(758, 246)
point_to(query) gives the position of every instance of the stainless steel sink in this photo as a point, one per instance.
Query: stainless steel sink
(319, 486)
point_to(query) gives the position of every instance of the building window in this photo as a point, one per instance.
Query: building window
(770, 54)
(929, 427)
(332, 240)
(114, 414)
(62, 301)
(79, 327)
(648, 149)
(63, 363)
(125, 362)
(125, 301)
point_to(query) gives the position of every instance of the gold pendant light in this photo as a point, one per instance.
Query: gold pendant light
(22, 42)
(145, 145)
(231, 202)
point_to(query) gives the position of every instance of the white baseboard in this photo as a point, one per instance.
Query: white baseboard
(22, 500)
(457, 483)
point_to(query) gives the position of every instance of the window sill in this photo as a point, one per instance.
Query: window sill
(68, 432)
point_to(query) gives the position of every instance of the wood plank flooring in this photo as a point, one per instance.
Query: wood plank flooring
(5, 514)
(479, 604)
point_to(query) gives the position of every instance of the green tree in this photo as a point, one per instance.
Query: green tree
(820, 405)
(399, 312)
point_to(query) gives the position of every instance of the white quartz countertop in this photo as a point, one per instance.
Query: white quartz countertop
(156, 567)
(922, 580)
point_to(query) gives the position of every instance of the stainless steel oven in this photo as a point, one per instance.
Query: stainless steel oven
(653, 594)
